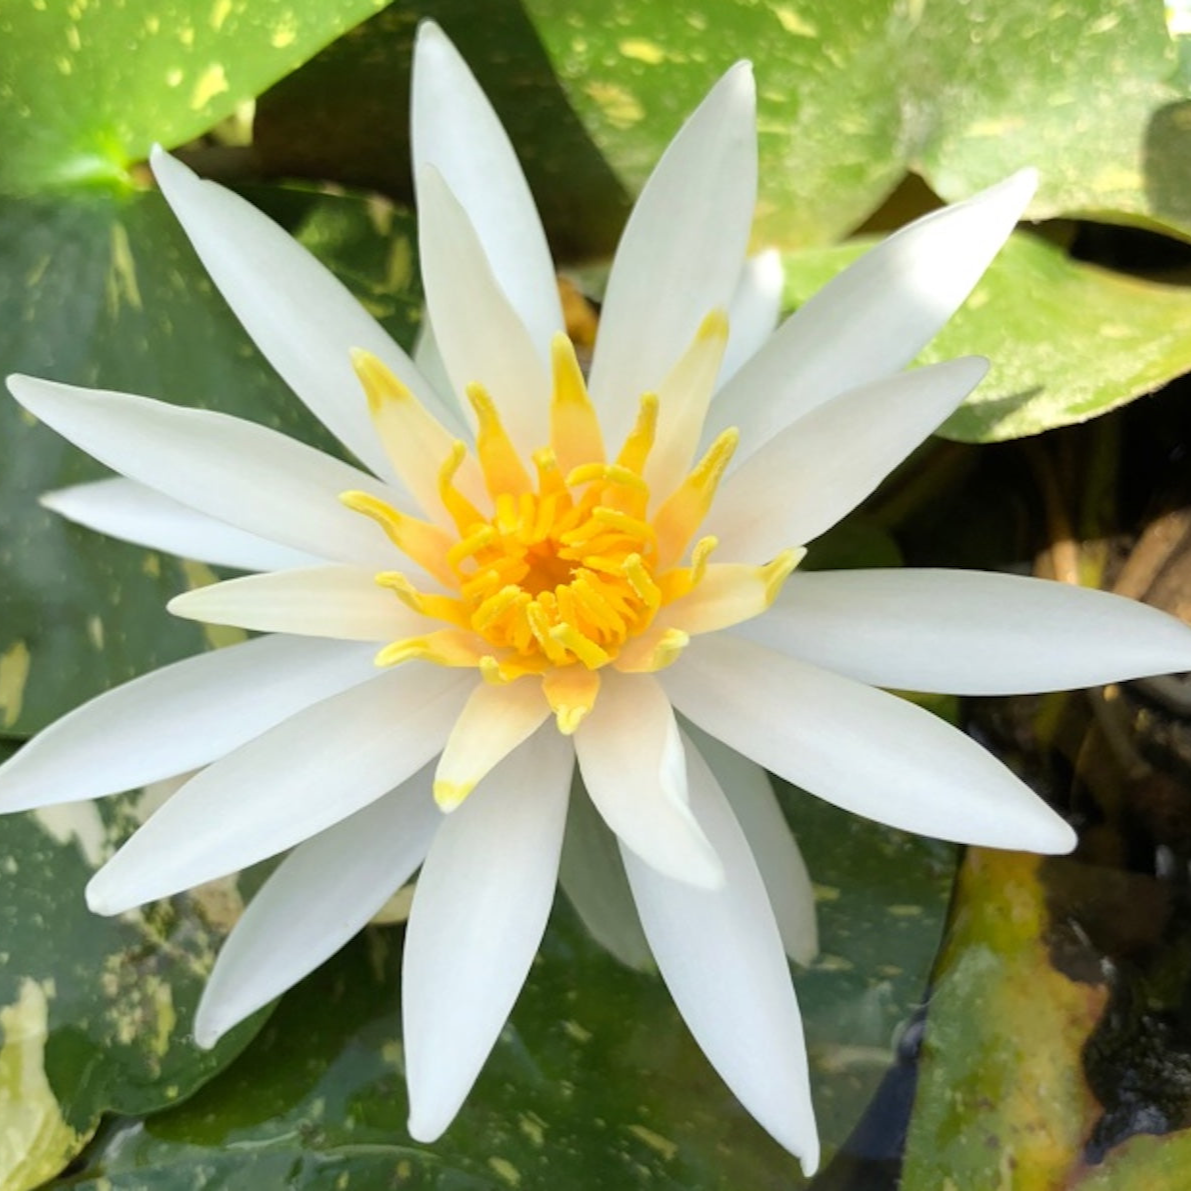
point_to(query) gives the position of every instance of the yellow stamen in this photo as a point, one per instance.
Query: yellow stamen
(559, 574)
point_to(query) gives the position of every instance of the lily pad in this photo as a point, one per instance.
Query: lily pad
(114, 297)
(853, 94)
(94, 85)
(594, 1083)
(1067, 341)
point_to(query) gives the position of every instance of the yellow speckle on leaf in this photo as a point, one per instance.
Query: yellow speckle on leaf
(905, 911)
(212, 82)
(794, 22)
(186, 35)
(95, 632)
(641, 50)
(121, 280)
(534, 1128)
(220, 13)
(64, 64)
(174, 76)
(73, 37)
(576, 1031)
(285, 33)
(504, 1169)
(655, 1141)
(14, 673)
(80, 822)
(35, 1140)
(621, 108)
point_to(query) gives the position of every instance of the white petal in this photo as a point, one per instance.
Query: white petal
(303, 319)
(680, 255)
(969, 632)
(592, 876)
(633, 767)
(296, 780)
(868, 752)
(721, 958)
(478, 915)
(178, 718)
(131, 512)
(479, 333)
(430, 362)
(325, 601)
(874, 318)
(807, 477)
(774, 848)
(753, 314)
(495, 721)
(455, 130)
(320, 896)
(225, 467)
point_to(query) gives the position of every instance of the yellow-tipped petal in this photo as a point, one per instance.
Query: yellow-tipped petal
(732, 592)
(413, 438)
(655, 649)
(446, 647)
(438, 607)
(493, 722)
(683, 511)
(635, 452)
(683, 398)
(503, 470)
(574, 428)
(428, 545)
(571, 692)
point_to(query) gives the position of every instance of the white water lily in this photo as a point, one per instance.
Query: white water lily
(552, 566)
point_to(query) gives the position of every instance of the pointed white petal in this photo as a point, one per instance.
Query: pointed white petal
(868, 752)
(178, 718)
(494, 722)
(969, 632)
(874, 318)
(479, 333)
(592, 876)
(774, 848)
(323, 893)
(131, 512)
(326, 601)
(229, 469)
(753, 314)
(296, 780)
(634, 769)
(303, 319)
(478, 915)
(812, 473)
(455, 130)
(681, 253)
(721, 957)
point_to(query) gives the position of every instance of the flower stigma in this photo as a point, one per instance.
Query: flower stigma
(564, 570)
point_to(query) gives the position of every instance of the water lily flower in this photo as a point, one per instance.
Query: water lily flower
(554, 568)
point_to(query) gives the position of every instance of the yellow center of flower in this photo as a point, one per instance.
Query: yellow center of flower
(564, 571)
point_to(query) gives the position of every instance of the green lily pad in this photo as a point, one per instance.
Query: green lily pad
(94, 85)
(853, 93)
(1067, 341)
(94, 1012)
(114, 297)
(595, 1082)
